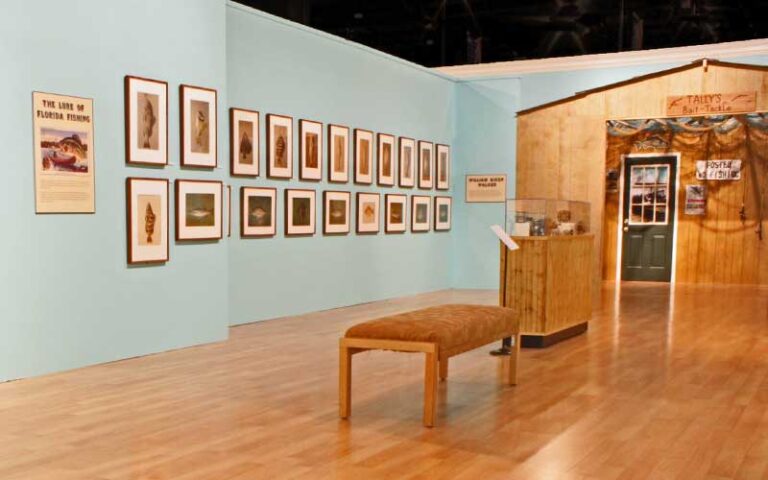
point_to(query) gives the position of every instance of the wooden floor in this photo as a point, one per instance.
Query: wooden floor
(660, 387)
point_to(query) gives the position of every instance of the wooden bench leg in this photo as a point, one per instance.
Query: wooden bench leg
(443, 369)
(430, 388)
(513, 360)
(345, 381)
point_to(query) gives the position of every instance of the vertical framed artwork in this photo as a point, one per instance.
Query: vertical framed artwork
(243, 142)
(338, 154)
(310, 150)
(146, 121)
(363, 140)
(442, 214)
(386, 156)
(198, 210)
(368, 208)
(198, 126)
(336, 210)
(279, 146)
(425, 165)
(147, 220)
(443, 167)
(395, 213)
(420, 219)
(258, 212)
(407, 162)
(299, 212)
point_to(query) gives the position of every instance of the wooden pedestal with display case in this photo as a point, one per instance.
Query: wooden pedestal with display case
(548, 282)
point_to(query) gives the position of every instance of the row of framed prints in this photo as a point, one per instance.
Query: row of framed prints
(380, 156)
(199, 207)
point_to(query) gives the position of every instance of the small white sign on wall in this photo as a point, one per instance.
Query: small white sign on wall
(718, 169)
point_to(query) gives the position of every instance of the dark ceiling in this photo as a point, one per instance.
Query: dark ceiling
(452, 32)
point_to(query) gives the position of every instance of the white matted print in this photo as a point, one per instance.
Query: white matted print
(443, 167)
(442, 214)
(395, 214)
(244, 142)
(407, 162)
(310, 150)
(258, 212)
(363, 156)
(147, 202)
(336, 212)
(279, 146)
(299, 212)
(146, 121)
(368, 211)
(338, 154)
(386, 156)
(426, 180)
(198, 126)
(420, 219)
(198, 210)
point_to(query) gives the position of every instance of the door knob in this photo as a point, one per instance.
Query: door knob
(626, 229)
(626, 221)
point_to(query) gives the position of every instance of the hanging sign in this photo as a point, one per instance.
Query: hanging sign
(681, 105)
(695, 200)
(491, 188)
(718, 169)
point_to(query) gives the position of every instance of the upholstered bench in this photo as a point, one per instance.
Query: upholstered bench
(440, 332)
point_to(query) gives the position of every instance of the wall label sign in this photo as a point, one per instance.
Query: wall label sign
(490, 188)
(718, 169)
(678, 105)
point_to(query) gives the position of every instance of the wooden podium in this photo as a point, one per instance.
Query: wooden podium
(548, 282)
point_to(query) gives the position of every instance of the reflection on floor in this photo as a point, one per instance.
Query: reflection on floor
(660, 387)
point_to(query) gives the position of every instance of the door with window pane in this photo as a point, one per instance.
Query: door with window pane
(648, 218)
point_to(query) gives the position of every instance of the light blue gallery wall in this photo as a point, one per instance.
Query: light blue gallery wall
(279, 67)
(67, 298)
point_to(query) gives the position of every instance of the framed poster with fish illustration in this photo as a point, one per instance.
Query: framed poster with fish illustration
(147, 220)
(338, 154)
(363, 141)
(64, 155)
(243, 142)
(425, 165)
(442, 214)
(310, 150)
(386, 156)
(299, 212)
(368, 208)
(198, 210)
(420, 206)
(198, 126)
(146, 121)
(279, 146)
(395, 213)
(407, 162)
(336, 211)
(258, 212)
(443, 167)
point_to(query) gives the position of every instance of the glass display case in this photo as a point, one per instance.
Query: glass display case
(541, 217)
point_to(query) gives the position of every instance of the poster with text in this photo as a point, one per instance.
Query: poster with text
(64, 157)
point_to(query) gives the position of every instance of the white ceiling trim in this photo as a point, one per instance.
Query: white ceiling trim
(718, 51)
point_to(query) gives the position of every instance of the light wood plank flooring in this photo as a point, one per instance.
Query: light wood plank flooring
(661, 387)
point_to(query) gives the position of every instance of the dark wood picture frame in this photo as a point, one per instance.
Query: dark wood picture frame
(127, 107)
(129, 220)
(358, 199)
(182, 116)
(289, 154)
(287, 207)
(244, 209)
(255, 144)
(414, 162)
(380, 180)
(326, 213)
(404, 202)
(331, 126)
(177, 189)
(420, 172)
(437, 169)
(435, 213)
(302, 174)
(356, 136)
(422, 199)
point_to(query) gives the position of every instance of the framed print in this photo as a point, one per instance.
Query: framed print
(443, 167)
(425, 165)
(386, 156)
(243, 142)
(395, 206)
(363, 156)
(198, 210)
(420, 205)
(299, 212)
(338, 154)
(146, 121)
(407, 162)
(258, 212)
(198, 126)
(279, 146)
(146, 202)
(368, 208)
(65, 179)
(336, 211)
(310, 150)
(227, 215)
(442, 214)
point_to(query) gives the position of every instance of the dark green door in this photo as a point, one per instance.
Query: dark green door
(648, 218)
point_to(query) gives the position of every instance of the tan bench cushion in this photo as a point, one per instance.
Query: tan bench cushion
(455, 328)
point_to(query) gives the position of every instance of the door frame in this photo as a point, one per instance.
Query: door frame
(619, 221)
